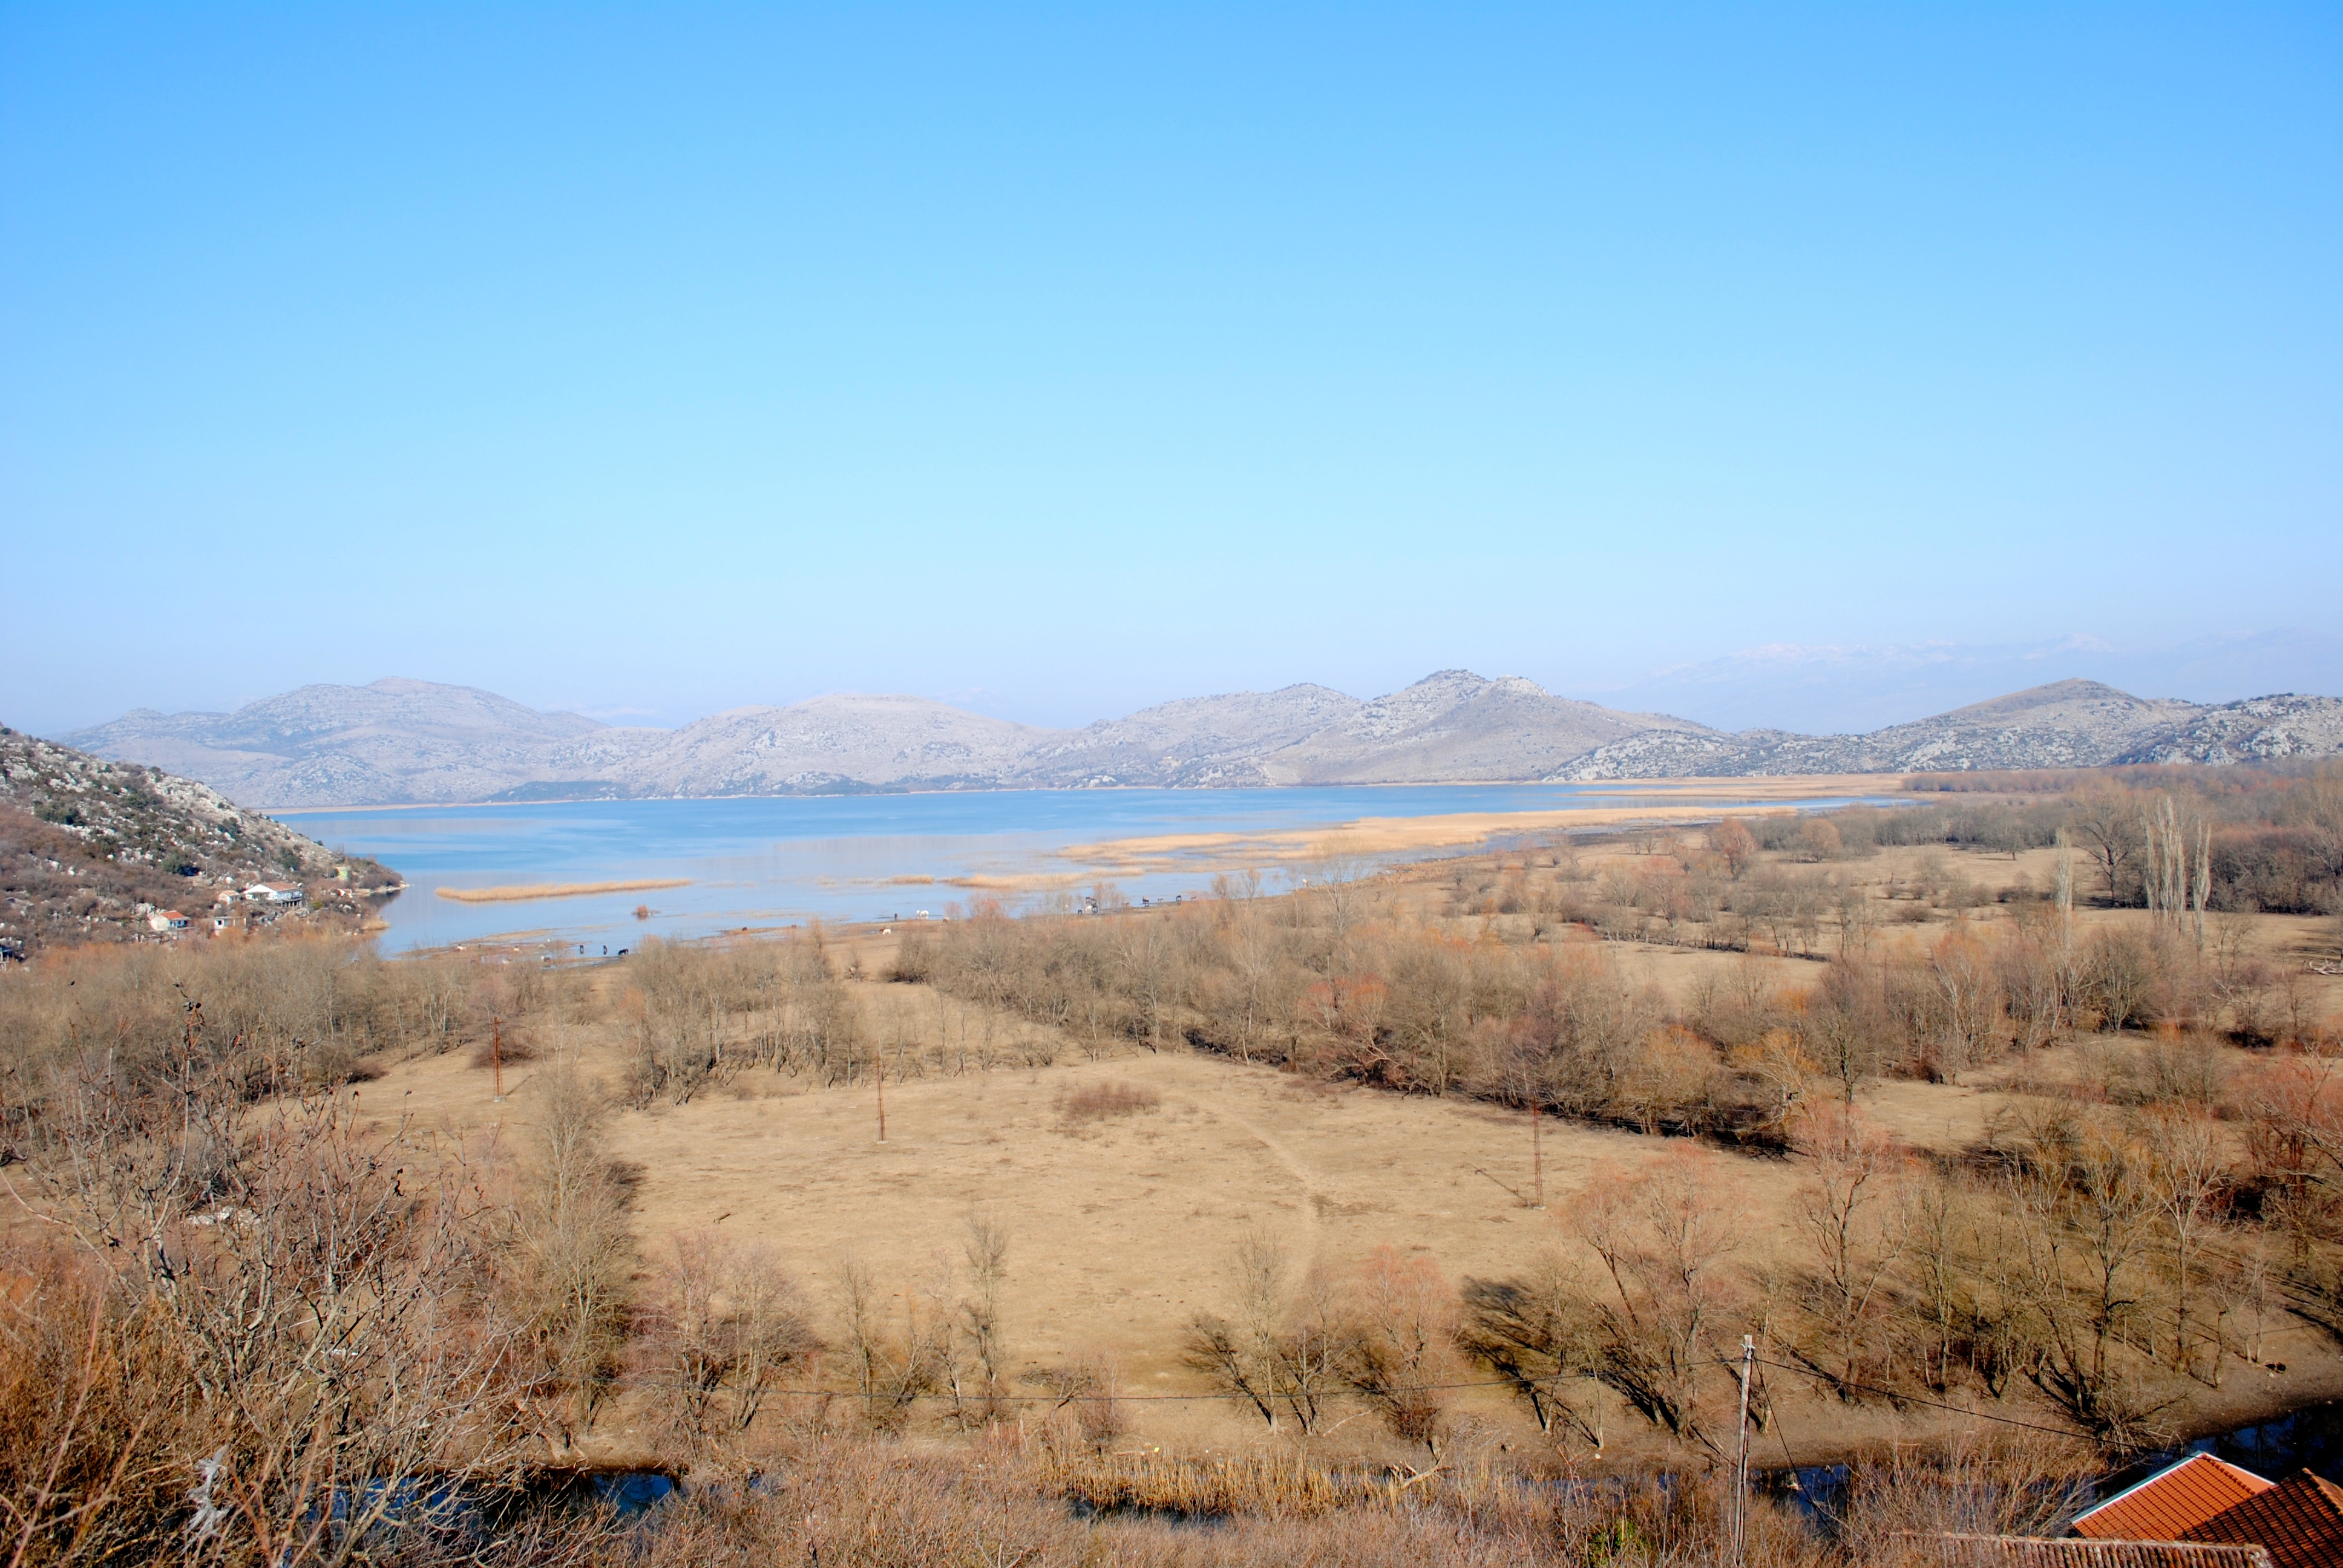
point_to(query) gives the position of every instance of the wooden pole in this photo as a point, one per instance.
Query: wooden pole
(1741, 1456)
(880, 1059)
(1537, 1155)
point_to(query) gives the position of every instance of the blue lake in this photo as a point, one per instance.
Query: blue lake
(772, 861)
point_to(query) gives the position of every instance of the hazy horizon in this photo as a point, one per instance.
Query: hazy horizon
(1838, 691)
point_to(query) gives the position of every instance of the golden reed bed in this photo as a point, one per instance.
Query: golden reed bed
(555, 890)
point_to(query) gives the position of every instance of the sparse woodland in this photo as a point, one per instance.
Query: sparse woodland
(247, 1313)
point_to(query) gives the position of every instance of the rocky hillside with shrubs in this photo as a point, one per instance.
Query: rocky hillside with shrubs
(402, 741)
(89, 850)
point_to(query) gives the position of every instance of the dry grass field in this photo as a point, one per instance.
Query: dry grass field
(1122, 1228)
(1125, 1225)
(2013, 1163)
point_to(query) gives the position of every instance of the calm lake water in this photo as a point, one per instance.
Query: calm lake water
(768, 862)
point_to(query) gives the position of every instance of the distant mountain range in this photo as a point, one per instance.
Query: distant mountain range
(410, 741)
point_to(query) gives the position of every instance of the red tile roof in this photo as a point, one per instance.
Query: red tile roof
(2032, 1552)
(2299, 1520)
(2169, 1503)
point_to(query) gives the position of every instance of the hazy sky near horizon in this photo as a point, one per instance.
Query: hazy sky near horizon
(652, 360)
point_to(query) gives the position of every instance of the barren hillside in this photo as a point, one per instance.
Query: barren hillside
(400, 742)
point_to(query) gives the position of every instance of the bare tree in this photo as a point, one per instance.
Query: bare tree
(770, 1330)
(1967, 996)
(1539, 1334)
(1847, 1212)
(1255, 963)
(565, 1253)
(692, 1355)
(895, 1358)
(2190, 1170)
(1273, 1351)
(1090, 1389)
(1335, 881)
(1734, 844)
(1280, 1351)
(2086, 1212)
(1664, 1234)
(1842, 1024)
(285, 1265)
(1858, 917)
(984, 1247)
(2106, 824)
(1402, 1352)
(2063, 890)
(1146, 959)
(1312, 1349)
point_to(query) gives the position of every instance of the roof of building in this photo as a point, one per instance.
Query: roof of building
(2299, 1521)
(2037, 1551)
(2167, 1504)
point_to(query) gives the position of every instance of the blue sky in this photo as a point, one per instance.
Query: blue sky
(1056, 361)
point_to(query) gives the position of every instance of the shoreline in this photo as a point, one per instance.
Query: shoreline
(1397, 842)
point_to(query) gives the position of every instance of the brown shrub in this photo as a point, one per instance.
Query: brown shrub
(513, 1047)
(1097, 1101)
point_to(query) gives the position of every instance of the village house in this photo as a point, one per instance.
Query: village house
(272, 893)
(167, 920)
(2299, 1522)
(2211, 1504)
(2174, 1501)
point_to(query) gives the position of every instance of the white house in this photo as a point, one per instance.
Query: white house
(272, 893)
(167, 920)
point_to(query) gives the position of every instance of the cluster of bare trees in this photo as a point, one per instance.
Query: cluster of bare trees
(937, 1340)
(2178, 841)
(307, 1305)
(2181, 846)
(304, 1010)
(2107, 1256)
(1295, 1345)
(2102, 1261)
(1280, 1346)
(725, 1325)
(2105, 1260)
(1416, 1007)
(273, 1329)
(700, 1014)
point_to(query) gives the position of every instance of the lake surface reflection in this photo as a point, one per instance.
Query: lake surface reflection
(772, 861)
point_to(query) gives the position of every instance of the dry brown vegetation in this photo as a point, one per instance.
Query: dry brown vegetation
(1097, 1102)
(1217, 1211)
(523, 892)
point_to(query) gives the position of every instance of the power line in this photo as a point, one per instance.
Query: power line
(979, 1397)
(1510, 1382)
(1904, 1397)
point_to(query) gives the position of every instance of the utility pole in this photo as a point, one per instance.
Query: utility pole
(1537, 1154)
(1741, 1456)
(879, 1059)
(496, 1054)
